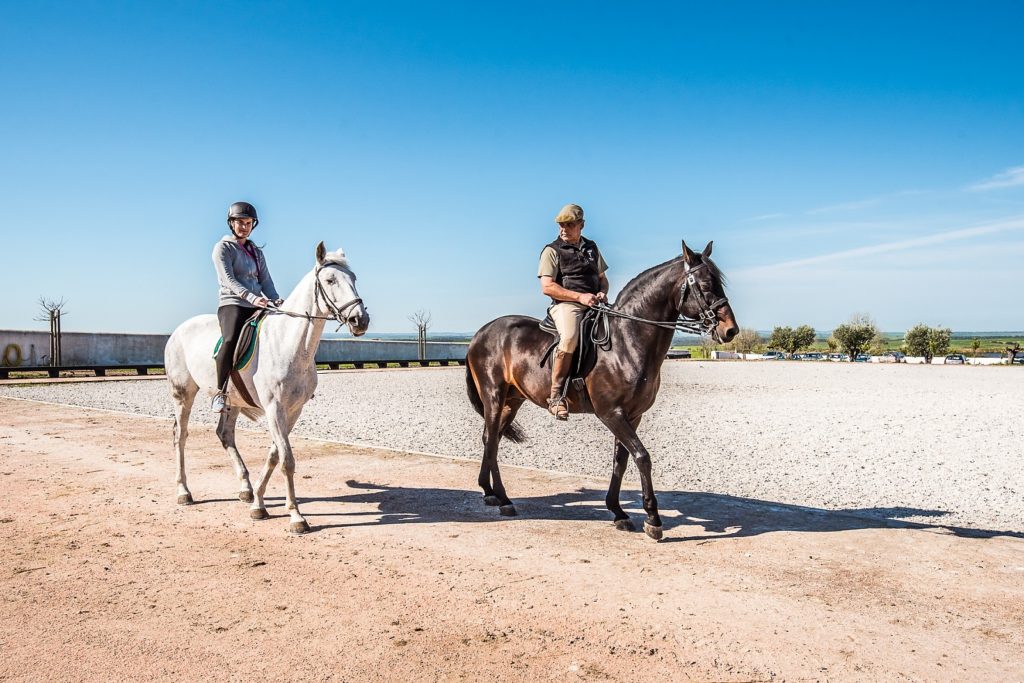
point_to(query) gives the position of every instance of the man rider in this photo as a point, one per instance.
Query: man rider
(571, 272)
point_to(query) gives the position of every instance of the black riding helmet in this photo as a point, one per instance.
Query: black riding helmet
(242, 210)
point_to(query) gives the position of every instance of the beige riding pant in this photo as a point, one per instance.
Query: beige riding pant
(566, 316)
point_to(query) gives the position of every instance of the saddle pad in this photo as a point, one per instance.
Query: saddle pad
(247, 339)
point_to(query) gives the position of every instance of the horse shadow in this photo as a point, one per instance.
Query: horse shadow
(711, 516)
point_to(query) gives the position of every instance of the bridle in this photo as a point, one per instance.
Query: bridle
(320, 292)
(704, 324)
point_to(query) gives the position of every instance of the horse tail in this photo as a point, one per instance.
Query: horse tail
(513, 431)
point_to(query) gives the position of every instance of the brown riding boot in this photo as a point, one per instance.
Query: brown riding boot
(561, 363)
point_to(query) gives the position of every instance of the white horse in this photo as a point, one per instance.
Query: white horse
(280, 378)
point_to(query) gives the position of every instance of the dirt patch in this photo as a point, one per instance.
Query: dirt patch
(407, 576)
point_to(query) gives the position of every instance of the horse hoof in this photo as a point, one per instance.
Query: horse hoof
(491, 500)
(185, 499)
(654, 532)
(508, 510)
(624, 525)
(298, 527)
(245, 496)
(258, 513)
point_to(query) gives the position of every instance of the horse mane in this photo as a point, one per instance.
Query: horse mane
(636, 290)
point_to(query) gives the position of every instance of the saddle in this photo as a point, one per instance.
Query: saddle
(244, 350)
(593, 335)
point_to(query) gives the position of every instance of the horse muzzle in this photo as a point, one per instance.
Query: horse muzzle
(358, 322)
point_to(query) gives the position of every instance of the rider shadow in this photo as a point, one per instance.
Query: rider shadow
(711, 516)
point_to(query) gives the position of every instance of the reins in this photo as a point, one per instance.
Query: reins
(703, 325)
(318, 292)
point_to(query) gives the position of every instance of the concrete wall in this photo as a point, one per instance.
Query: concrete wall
(86, 348)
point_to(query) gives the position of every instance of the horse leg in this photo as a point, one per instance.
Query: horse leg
(183, 399)
(258, 510)
(495, 420)
(226, 434)
(625, 435)
(620, 458)
(280, 426)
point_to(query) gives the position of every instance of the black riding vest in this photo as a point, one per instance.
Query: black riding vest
(576, 266)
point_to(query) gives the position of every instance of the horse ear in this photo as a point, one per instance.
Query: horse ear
(688, 255)
(321, 251)
(707, 250)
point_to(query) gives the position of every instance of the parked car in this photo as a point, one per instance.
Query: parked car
(678, 353)
(862, 358)
(1018, 359)
(893, 357)
(955, 359)
(838, 357)
(813, 355)
(773, 355)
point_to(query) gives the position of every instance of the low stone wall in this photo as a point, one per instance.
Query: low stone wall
(20, 348)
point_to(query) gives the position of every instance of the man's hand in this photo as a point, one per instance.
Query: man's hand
(588, 299)
(602, 296)
(261, 302)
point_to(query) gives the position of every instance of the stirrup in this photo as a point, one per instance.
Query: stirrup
(220, 402)
(556, 406)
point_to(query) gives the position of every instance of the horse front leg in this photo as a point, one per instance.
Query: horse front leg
(280, 426)
(226, 434)
(620, 458)
(626, 434)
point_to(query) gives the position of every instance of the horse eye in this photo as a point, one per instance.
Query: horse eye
(331, 280)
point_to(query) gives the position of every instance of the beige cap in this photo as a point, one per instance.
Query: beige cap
(570, 213)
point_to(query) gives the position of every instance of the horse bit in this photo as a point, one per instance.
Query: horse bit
(704, 324)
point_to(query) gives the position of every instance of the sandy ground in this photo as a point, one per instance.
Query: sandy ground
(407, 576)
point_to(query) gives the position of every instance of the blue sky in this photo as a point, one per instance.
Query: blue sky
(844, 157)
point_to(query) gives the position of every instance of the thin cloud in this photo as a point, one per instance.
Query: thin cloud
(1011, 177)
(887, 247)
(864, 203)
(764, 217)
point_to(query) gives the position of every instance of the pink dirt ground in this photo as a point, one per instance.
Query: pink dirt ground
(407, 576)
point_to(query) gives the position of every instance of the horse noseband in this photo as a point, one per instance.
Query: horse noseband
(708, 316)
(338, 311)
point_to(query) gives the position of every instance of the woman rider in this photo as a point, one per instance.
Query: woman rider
(245, 285)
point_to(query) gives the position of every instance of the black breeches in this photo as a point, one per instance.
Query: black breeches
(231, 319)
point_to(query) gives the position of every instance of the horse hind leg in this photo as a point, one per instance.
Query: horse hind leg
(226, 434)
(495, 421)
(183, 396)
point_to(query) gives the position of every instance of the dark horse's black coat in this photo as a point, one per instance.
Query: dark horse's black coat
(503, 370)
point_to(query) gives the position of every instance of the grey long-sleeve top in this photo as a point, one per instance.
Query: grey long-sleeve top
(242, 279)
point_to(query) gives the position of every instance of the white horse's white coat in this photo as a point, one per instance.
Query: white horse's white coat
(280, 378)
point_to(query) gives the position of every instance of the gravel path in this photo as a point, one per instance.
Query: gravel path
(938, 445)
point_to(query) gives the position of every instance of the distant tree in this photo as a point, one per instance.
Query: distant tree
(928, 342)
(975, 345)
(746, 341)
(707, 345)
(803, 337)
(832, 344)
(781, 339)
(855, 336)
(938, 341)
(879, 345)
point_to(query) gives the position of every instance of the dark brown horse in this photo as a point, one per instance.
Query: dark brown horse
(503, 370)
